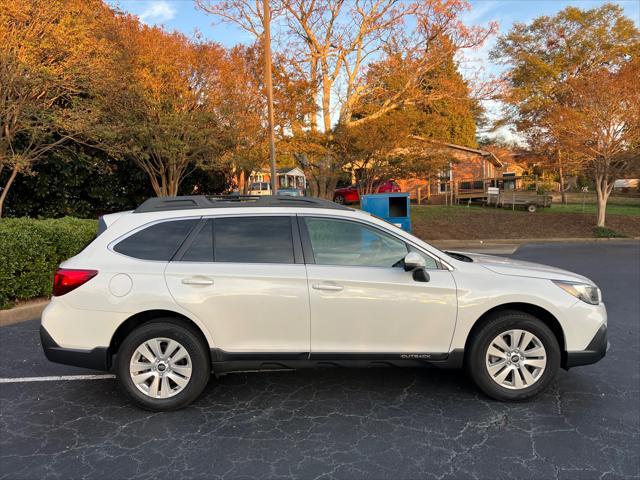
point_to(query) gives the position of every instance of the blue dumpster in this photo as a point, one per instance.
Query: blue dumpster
(392, 207)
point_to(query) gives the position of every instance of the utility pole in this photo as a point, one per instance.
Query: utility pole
(269, 86)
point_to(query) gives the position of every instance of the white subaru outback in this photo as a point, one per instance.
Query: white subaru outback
(185, 286)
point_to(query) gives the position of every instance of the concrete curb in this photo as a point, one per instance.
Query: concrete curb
(27, 311)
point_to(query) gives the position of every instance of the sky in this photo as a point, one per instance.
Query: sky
(183, 16)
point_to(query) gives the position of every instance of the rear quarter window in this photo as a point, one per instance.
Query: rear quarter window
(157, 242)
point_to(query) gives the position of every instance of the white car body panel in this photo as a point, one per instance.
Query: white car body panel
(520, 268)
(366, 312)
(249, 307)
(80, 329)
(95, 300)
(479, 293)
(267, 307)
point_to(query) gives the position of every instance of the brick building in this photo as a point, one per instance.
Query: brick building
(468, 169)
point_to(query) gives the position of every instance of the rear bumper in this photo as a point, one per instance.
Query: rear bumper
(95, 359)
(595, 351)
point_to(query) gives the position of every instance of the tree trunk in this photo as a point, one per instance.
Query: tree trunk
(174, 185)
(313, 186)
(326, 105)
(313, 120)
(322, 185)
(12, 177)
(155, 185)
(603, 191)
(563, 194)
(244, 175)
(332, 182)
(268, 82)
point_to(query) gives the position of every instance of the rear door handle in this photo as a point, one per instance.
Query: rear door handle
(197, 281)
(328, 287)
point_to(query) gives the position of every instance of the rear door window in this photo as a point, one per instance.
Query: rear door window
(201, 248)
(157, 242)
(253, 240)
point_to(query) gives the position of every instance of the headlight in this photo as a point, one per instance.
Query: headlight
(586, 293)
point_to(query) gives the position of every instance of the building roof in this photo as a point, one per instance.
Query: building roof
(289, 170)
(483, 153)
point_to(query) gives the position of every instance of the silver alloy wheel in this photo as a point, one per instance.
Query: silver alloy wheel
(160, 367)
(516, 359)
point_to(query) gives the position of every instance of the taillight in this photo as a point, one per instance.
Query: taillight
(67, 279)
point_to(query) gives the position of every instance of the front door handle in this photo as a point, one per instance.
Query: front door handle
(197, 281)
(328, 287)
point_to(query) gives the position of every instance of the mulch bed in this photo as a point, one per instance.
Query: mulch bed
(441, 223)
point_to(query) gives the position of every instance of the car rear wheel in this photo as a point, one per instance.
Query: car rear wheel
(515, 356)
(339, 199)
(163, 365)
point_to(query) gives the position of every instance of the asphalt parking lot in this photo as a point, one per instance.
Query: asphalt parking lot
(375, 423)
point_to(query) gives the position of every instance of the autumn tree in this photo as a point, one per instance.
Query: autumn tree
(163, 109)
(442, 110)
(598, 121)
(51, 57)
(371, 149)
(242, 107)
(451, 109)
(331, 42)
(549, 52)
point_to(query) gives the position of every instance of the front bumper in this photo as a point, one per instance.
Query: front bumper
(595, 351)
(95, 359)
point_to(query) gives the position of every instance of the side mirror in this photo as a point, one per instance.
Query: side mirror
(415, 263)
(413, 260)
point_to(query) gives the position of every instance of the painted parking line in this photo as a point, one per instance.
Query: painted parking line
(110, 376)
(56, 378)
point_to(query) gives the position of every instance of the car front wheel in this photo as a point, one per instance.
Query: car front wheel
(163, 365)
(514, 356)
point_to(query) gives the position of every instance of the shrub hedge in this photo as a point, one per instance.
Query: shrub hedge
(30, 251)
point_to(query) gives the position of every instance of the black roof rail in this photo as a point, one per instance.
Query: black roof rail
(190, 202)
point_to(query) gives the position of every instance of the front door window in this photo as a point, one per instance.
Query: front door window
(345, 243)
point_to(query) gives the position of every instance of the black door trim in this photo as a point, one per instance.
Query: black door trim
(309, 258)
(223, 362)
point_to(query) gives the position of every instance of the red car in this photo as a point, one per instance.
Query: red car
(351, 195)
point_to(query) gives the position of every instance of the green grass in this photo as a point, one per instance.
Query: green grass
(590, 198)
(604, 232)
(612, 209)
(440, 222)
(591, 209)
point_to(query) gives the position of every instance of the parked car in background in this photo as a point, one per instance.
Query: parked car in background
(350, 194)
(260, 188)
(185, 286)
(290, 192)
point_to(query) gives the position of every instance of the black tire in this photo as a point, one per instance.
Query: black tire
(339, 199)
(531, 208)
(481, 340)
(198, 352)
